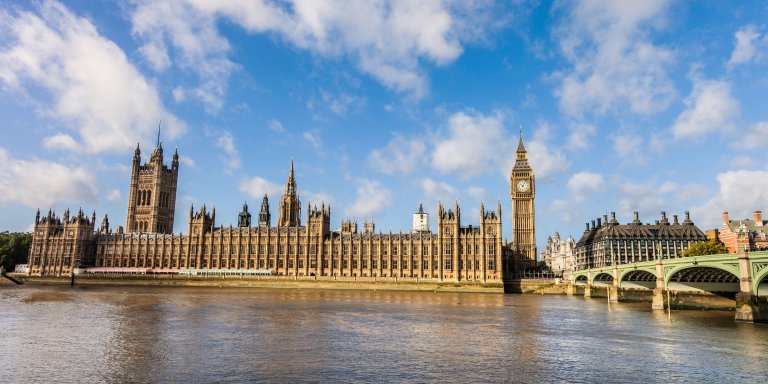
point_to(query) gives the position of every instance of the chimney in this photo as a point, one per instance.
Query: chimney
(664, 218)
(613, 217)
(587, 227)
(637, 218)
(725, 218)
(687, 218)
(758, 218)
(593, 224)
(605, 219)
(598, 222)
(675, 219)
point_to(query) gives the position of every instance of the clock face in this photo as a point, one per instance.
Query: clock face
(522, 186)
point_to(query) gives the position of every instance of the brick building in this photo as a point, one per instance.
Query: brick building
(754, 230)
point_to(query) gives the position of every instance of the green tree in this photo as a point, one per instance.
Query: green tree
(14, 248)
(711, 247)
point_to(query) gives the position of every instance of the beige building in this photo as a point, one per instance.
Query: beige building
(559, 255)
(452, 253)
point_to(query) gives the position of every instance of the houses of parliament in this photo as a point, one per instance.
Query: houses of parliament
(73, 243)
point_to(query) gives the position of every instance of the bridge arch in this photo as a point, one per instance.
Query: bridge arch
(713, 278)
(581, 279)
(602, 279)
(637, 279)
(760, 281)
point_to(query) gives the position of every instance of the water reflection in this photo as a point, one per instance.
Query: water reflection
(203, 335)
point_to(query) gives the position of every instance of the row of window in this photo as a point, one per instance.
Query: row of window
(280, 264)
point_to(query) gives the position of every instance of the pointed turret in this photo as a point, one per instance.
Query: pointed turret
(520, 145)
(244, 219)
(137, 155)
(289, 214)
(264, 215)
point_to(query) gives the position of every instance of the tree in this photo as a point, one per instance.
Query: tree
(14, 248)
(700, 248)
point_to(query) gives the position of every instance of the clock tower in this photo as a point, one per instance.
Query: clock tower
(523, 190)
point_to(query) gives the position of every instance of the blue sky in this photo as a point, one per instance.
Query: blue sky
(625, 106)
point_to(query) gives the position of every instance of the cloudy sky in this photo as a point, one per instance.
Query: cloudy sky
(383, 105)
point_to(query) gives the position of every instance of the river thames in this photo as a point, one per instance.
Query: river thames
(127, 334)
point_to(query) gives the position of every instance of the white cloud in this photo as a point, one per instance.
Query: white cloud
(313, 138)
(371, 199)
(91, 83)
(41, 183)
(400, 155)
(546, 160)
(578, 138)
(316, 198)
(231, 158)
(751, 46)
(629, 148)
(742, 161)
(645, 198)
(276, 126)
(476, 193)
(741, 192)
(709, 108)
(614, 63)
(387, 39)
(753, 137)
(114, 196)
(343, 103)
(585, 182)
(197, 45)
(60, 141)
(187, 161)
(256, 187)
(472, 144)
(437, 191)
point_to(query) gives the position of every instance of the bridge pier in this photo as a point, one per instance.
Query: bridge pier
(658, 292)
(588, 291)
(570, 290)
(749, 307)
(613, 292)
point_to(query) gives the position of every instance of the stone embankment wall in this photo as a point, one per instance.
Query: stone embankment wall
(390, 284)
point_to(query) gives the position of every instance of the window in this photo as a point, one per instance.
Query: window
(447, 264)
(491, 265)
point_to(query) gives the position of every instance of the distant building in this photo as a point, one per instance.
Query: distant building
(559, 254)
(756, 229)
(607, 242)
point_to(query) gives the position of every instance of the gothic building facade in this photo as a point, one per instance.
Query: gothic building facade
(147, 245)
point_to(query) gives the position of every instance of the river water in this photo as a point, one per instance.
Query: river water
(134, 334)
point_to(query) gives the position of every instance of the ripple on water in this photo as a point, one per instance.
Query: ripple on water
(104, 334)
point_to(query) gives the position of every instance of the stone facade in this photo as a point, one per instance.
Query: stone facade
(452, 253)
(559, 255)
(606, 243)
(754, 233)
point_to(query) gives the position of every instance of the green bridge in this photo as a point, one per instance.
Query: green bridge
(737, 277)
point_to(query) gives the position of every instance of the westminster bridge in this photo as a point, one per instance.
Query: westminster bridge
(740, 279)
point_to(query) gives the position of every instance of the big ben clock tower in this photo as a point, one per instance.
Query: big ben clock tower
(522, 190)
